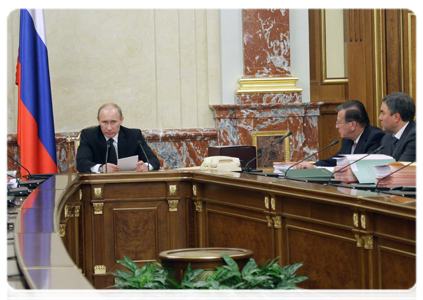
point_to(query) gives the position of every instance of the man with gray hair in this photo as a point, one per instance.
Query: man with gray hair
(358, 136)
(396, 115)
(112, 138)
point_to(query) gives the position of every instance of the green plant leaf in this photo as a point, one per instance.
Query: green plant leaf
(250, 268)
(131, 265)
(293, 268)
(191, 274)
(201, 284)
(230, 262)
(297, 279)
(256, 280)
(286, 286)
(123, 274)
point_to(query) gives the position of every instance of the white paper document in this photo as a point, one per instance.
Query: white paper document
(128, 163)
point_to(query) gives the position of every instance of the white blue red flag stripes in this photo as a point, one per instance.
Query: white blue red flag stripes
(36, 136)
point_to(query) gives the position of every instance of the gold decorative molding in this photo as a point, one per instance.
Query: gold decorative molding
(266, 202)
(97, 193)
(268, 85)
(172, 190)
(269, 221)
(360, 241)
(101, 269)
(68, 211)
(77, 209)
(273, 203)
(194, 190)
(281, 133)
(363, 221)
(198, 206)
(98, 208)
(355, 219)
(277, 222)
(80, 195)
(173, 205)
(368, 242)
(62, 230)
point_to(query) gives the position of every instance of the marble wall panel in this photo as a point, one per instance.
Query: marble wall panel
(175, 148)
(266, 43)
(236, 123)
(269, 98)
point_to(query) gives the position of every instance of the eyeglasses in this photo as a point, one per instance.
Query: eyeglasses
(339, 123)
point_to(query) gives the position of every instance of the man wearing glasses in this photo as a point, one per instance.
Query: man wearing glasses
(358, 137)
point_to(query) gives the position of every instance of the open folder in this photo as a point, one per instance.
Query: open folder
(320, 173)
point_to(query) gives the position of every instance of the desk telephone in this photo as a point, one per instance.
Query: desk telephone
(225, 163)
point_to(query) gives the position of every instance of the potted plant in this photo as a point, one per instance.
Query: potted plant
(153, 276)
(147, 283)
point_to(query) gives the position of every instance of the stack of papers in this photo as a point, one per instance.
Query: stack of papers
(363, 169)
(404, 177)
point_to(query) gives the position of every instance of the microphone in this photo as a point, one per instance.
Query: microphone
(148, 167)
(403, 167)
(29, 174)
(247, 169)
(31, 183)
(373, 152)
(109, 143)
(330, 145)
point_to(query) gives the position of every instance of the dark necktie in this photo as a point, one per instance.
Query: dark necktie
(394, 143)
(112, 153)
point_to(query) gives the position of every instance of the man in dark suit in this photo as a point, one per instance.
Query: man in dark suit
(116, 140)
(358, 137)
(396, 116)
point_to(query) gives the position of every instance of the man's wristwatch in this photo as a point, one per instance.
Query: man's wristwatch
(100, 169)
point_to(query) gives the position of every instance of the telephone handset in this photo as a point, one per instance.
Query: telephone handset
(225, 163)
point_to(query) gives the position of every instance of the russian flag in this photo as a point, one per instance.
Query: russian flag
(36, 136)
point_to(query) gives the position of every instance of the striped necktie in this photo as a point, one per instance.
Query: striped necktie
(353, 148)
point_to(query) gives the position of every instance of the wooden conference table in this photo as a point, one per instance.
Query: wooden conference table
(76, 226)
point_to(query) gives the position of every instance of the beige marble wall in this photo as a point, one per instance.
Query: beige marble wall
(161, 66)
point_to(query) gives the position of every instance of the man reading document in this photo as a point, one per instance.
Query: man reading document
(121, 141)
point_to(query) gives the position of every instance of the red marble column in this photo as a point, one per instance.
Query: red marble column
(267, 54)
(266, 43)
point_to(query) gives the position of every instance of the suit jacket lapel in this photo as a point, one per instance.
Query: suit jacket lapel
(102, 141)
(402, 139)
(362, 141)
(122, 144)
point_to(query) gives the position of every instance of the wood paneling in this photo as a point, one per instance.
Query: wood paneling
(394, 51)
(410, 54)
(344, 241)
(381, 60)
(330, 93)
(361, 60)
